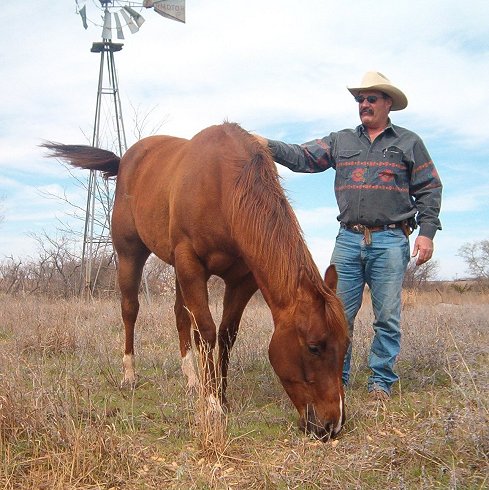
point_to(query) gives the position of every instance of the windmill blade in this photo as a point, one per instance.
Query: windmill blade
(135, 16)
(83, 15)
(132, 26)
(118, 26)
(107, 30)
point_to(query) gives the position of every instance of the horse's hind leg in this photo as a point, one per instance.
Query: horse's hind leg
(130, 273)
(236, 298)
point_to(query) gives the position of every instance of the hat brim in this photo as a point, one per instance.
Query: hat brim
(399, 100)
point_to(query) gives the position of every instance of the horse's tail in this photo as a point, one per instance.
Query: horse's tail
(83, 156)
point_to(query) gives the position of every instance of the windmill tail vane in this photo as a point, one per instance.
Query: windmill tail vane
(131, 18)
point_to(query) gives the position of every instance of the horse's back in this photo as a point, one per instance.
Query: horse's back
(172, 190)
(215, 153)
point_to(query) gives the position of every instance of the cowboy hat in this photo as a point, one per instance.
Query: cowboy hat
(373, 80)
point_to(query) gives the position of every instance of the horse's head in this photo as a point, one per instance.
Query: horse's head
(307, 351)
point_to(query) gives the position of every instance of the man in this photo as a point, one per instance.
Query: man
(386, 185)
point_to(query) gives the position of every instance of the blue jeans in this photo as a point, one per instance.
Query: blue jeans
(381, 265)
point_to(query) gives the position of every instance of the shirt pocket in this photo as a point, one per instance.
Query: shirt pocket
(393, 154)
(345, 155)
(393, 170)
(346, 163)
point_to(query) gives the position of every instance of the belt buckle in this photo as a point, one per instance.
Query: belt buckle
(365, 231)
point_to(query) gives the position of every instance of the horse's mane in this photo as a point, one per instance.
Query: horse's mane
(268, 227)
(265, 221)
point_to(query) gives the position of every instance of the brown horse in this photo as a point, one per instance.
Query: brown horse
(213, 205)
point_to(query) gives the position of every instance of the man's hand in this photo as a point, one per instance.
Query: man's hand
(263, 141)
(423, 248)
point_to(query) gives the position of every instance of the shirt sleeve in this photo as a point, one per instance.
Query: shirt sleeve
(426, 189)
(313, 156)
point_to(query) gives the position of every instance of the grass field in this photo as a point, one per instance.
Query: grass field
(66, 424)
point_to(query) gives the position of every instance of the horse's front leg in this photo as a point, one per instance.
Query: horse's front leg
(184, 326)
(192, 279)
(129, 272)
(236, 297)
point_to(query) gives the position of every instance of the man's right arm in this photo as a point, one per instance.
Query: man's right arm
(314, 156)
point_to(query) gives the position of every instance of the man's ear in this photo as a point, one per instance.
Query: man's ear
(331, 277)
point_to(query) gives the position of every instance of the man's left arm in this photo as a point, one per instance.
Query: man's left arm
(426, 189)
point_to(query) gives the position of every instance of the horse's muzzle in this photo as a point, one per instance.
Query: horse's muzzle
(322, 429)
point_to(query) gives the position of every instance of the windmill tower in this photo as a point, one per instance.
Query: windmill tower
(114, 17)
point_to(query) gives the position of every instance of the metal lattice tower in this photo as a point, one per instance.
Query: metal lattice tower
(108, 132)
(108, 129)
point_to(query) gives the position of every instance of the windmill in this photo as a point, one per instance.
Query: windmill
(113, 17)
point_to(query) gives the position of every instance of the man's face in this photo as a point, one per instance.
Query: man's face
(374, 114)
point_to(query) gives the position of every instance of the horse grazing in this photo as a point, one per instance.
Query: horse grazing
(213, 205)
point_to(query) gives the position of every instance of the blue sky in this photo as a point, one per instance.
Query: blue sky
(279, 68)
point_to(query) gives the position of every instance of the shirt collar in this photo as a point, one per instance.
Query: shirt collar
(390, 127)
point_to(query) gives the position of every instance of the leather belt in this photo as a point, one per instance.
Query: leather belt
(366, 231)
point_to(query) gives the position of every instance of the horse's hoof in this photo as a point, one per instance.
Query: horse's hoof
(128, 384)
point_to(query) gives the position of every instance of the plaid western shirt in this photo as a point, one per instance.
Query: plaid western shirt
(377, 183)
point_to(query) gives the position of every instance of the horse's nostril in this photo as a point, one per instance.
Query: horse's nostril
(328, 432)
(323, 432)
(322, 429)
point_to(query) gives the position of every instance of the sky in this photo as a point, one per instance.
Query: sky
(278, 68)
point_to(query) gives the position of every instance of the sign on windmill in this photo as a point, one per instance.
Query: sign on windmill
(172, 9)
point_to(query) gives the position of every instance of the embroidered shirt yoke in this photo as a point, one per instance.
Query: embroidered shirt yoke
(377, 183)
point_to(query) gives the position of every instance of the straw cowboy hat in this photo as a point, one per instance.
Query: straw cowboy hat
(373, 80)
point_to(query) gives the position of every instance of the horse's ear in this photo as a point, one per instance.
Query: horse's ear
(331, 277)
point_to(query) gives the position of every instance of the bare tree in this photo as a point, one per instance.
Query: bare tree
(476, 256)
(141, 121)
(12, 275)
(102, 260)
(57, 265)
(418, 275)
(160, 277)
(54, 271)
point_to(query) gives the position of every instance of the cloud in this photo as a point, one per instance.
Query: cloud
(321, 249)
(279, 68)
(317, 218)
(463, 202)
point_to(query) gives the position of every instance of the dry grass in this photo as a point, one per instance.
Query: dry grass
(65, 424)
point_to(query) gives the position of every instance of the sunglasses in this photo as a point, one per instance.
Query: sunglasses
(371, 99)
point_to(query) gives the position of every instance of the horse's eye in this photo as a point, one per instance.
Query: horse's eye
(315, 350)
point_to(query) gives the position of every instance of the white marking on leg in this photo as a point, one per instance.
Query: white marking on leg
(214, 405)
(188, 369)
(129, 370)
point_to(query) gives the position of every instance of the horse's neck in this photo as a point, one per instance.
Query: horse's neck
(278, 284)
